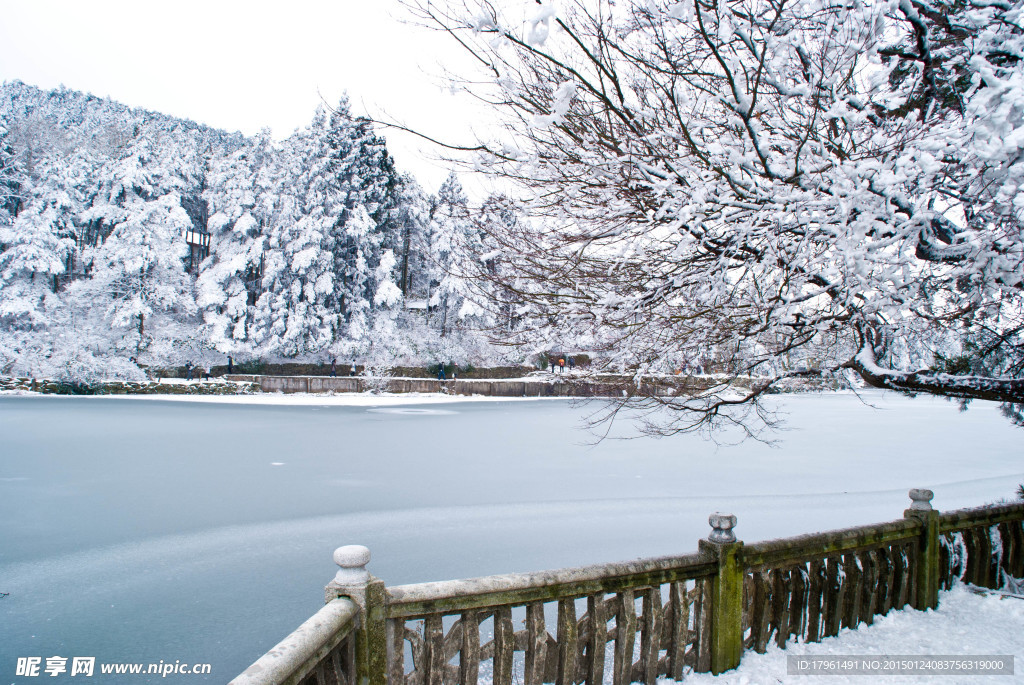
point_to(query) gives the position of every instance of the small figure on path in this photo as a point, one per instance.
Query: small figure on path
(551, 360)
(188, 371)
(572, 363)
(231, 365)
(440, 372)
(353, 368)
(334, 366)
(561, 365)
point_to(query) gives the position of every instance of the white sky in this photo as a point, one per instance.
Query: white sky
(246, 65)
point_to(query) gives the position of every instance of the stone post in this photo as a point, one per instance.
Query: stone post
(927, 595)
(356, 583)
(726, 622)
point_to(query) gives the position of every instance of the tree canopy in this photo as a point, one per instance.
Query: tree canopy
(764, 187)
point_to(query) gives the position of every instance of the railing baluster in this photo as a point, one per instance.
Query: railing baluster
(1007, 556)
(887, 580)
(989, 578)
(973, 544)
(798, 601)
(679, 630)
(650, 636)
(598, 639)
(869, 561)
(625, 638)
(433, 640)
(854, 592)
(781, 589)
(469, 658)
(833, 596)
(348, 660)
(504, 645)
(702, 624)
(814, 601)
(568, 641)
(536, 643)
(905, 565)
(396, 651)
(761, 615)
(1014, 563)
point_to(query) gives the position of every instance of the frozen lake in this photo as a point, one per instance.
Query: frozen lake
(137, 530)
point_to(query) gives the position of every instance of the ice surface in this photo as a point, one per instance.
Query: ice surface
(147, 530)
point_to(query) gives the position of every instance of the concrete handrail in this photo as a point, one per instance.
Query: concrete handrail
(299, 653)
(521, 588)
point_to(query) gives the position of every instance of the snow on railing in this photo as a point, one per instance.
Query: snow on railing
(983, 546)
(642, 620)
(321, 650)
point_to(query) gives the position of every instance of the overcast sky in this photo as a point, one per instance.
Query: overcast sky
(245, 65)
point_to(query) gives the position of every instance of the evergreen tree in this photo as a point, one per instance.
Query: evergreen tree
(229, 285)
(316, 243)
(137, 264)
(457, 248)
(11, 178)
(297, 312)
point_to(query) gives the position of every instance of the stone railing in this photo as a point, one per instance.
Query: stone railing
(648, 619)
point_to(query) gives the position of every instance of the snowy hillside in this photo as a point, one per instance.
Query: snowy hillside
(130, 236)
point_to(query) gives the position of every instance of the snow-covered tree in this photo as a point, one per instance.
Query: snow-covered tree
(240, 214)
(37, 247)
(296, 314)
(314, 242)
(457, 249)
(12, 178)
(749, 179)
(367, 186)
(413, 240)
(136, 265)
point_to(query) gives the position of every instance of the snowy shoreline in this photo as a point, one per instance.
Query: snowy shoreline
(305, 399)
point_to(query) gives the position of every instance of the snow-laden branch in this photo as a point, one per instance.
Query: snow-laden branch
(933, 383)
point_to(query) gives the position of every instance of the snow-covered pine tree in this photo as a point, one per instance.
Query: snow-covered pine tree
(315, 242)
(240, 204)
(457, 249)
(366, 184)
(135, 258)
(413, 244)
(11, 177)
(298, 312)
(38, 245)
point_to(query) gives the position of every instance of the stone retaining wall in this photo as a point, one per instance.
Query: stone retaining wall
(567, 387)
(52, 387)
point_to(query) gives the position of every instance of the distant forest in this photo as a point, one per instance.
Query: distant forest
(129, 238)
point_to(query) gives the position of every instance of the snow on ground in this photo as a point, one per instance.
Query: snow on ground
(302, 399)
(964, 624)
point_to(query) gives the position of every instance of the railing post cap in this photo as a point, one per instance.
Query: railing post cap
(353, 560)
(722, 525)
(922, 499)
